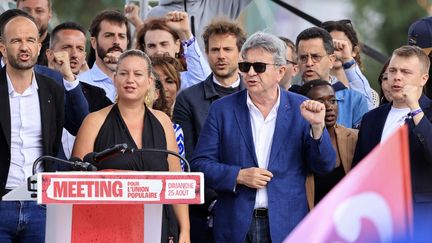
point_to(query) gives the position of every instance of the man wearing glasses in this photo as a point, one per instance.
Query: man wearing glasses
(256, 147)
(316, 58)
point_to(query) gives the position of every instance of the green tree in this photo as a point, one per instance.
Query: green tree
(384, 24)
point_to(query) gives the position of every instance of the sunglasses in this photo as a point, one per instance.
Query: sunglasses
(259, 67)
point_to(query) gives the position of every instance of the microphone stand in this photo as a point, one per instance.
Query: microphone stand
(76, 165)
(163, 151)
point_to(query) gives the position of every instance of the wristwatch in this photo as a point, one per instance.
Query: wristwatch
(348, 64)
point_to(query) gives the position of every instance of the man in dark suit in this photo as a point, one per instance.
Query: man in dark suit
(31, 121)
(66, 54)
(407, 75)
(256, 146)
(223, 40)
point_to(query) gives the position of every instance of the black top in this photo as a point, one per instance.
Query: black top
(114, 131)
(224, 91)
(323, 184)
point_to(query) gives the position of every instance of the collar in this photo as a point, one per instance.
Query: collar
(2, 64)
(33, 86)
(251, 105)
(233, 85)
(97, 74)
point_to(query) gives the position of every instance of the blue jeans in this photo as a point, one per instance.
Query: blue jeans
(22, 221)
(259, 230)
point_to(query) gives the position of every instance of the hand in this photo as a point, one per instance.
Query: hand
(131, 11)
(184, 237)
(343, 50)
(313, 111)
(179, 22)
(254, 177)
(60, 62)
(111, 59)
(411, 94)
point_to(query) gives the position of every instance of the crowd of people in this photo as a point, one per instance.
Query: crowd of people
(270, 147)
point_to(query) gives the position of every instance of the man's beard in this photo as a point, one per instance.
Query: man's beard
(102, 52)
(17, 64)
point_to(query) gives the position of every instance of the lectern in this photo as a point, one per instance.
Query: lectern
(114, 206)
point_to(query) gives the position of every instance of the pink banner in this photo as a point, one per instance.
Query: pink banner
(373, 203)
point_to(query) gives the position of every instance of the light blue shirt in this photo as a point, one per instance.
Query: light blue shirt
(97, 78)
(358, 82)
(197, 65)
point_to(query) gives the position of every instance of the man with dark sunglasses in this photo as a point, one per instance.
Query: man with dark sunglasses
(256, 147)
(316, 58)
(223, 40)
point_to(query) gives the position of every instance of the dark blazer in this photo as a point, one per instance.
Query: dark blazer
(96, 97)
(76, 106)
(420, 145)
(191, 110)
(51, 100)
(226, 145)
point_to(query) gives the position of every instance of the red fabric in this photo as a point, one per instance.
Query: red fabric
(108, 223)
(373, 203)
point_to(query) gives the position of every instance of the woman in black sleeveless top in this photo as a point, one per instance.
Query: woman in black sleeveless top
(130, 121)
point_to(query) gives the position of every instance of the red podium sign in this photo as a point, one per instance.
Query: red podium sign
(113, 206)
(120, 187)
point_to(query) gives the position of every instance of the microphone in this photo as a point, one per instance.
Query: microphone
(74, 163)
(95, 157)
(79, 165)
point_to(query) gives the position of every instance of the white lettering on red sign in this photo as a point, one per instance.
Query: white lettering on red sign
(180, 189)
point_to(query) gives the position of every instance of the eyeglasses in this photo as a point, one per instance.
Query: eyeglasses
(328, 24)
(259, 67)
(315, 58)
(291, 62)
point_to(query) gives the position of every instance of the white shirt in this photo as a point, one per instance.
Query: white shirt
(262, 133)
(26, 133)
(233, 85)
(395, 119)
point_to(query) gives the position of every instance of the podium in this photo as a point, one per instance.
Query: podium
(114, 206)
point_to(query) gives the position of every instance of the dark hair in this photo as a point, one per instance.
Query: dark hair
(10, 14)
(383, 99)
(290, 44)
(347, 28)
(221, 27)
(112, 16)
(307, 86)
(159, 24)
(64, 26)
(49, 3)
(317, 32)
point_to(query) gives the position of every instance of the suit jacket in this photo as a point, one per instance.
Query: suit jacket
(190, 112)
(420, 145)
(52, 115)
(76, 106)
(346, 140)
(226, 145)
